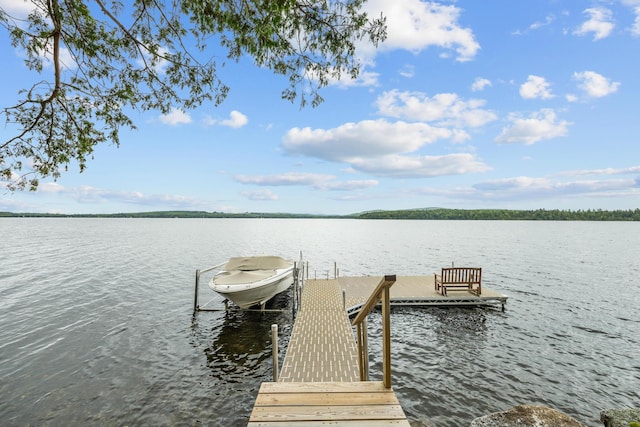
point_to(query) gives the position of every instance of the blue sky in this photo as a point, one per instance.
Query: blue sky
(468, 104)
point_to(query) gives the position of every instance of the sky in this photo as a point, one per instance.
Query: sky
(493, 104)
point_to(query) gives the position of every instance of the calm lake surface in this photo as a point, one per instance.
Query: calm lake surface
(96, 317)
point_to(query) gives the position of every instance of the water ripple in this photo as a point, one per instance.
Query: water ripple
(96, 327)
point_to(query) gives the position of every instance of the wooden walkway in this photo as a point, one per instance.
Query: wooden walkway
(416, 291)
(354, 404)
(322, 345)
(319, 383)
(319, 380)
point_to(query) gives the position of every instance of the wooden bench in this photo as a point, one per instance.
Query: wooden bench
(459, 279)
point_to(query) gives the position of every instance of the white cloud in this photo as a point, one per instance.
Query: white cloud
(600, 23)
(480, 83)
(635, 29)
(535, 87)
(595, 85)
(443, 108)
(236, 120)
(365, 139)
(175, 117)
(527, 187)
(538, 126)
(403, 166)
(635, 5)
(539, 24)
(548, 20)
(93, 195)
(570, 97)
(408, 71)
(260, 195)
(349, 185)
(607, 171)
(415, 25)
(19, 9)
(364, 79)
(291, 178)
(317, 181)
(381, 148)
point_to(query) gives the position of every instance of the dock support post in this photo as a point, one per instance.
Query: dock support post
(274, 343)
(195, 298)
(344, 299)
(386, 338)
(365, 350)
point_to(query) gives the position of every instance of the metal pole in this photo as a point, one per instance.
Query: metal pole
(195, 299)
(296, 274)
(274, 341)
(344, 299)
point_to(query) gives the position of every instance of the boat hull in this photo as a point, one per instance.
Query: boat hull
(247, 288)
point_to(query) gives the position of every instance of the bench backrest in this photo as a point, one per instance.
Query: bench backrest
(461, 275)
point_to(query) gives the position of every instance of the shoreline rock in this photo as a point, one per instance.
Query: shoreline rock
(527, 416)
(620, 417)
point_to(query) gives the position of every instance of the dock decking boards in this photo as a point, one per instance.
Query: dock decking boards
(362, 403)
(319, 383)
(322, 346)
(414, 290)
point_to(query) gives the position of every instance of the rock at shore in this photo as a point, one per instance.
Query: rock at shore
(527, 416)
(620, 417)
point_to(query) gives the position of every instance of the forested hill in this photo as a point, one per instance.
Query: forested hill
(505, 214)
(413, 214)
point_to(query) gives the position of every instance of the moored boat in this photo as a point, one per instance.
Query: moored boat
(249, 281)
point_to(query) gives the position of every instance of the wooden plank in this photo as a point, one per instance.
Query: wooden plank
(333, 399)
(324, 387)
(347, 423)
(327, 413)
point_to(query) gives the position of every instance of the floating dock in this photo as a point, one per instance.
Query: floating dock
(320, 381)
(414, 291)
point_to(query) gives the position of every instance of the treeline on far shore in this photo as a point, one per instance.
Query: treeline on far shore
(506, 214)
(410, 214)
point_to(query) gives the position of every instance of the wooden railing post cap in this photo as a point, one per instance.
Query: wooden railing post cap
(390, 277)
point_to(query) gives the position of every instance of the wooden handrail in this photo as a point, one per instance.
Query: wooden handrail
(381, 292)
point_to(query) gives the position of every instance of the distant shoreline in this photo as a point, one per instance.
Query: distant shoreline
(406, 214)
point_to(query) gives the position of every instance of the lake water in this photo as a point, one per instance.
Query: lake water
(96, 320)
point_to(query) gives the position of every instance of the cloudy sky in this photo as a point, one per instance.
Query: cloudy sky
(468, 104)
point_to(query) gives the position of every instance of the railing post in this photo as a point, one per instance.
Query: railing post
(383, 294)
(195, 298)
(386, 338)
(365, 350)
(274, 343)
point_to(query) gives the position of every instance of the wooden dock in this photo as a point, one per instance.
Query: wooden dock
(319, 383)
(362, 403)
(414, 291)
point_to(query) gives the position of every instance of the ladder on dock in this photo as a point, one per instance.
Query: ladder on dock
(318, 384)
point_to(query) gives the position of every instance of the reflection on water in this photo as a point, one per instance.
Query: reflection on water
(242, 343)
(237, 347)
